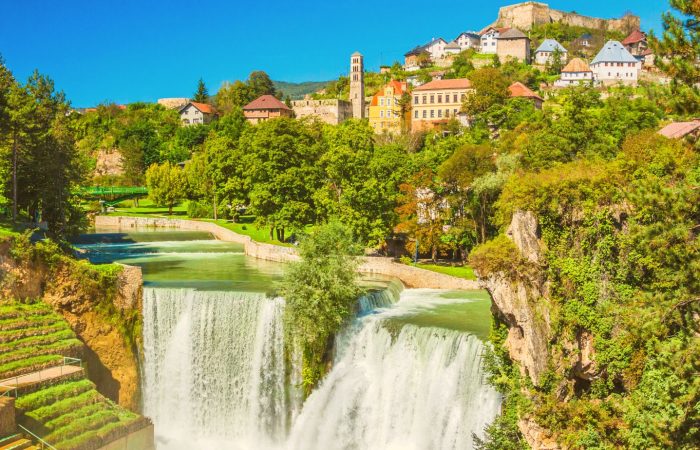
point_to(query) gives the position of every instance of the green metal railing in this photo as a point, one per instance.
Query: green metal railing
(42, 444)
(11, 390)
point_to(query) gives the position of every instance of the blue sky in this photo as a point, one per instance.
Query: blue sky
(140, 50)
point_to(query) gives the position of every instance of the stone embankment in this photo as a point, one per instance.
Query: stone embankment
(412, 277)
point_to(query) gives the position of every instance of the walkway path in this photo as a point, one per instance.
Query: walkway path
(40, 376)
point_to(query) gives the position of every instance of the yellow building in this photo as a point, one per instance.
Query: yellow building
(435, 103)
(385, 110)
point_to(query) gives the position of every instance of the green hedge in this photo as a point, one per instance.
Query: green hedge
(52, 394)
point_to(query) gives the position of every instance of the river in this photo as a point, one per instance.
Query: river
(407, 372)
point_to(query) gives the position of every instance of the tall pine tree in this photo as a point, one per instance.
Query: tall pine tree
(202, 93)
(678, 49)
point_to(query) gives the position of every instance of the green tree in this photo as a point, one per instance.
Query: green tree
(259, 83)
(321, 294)
(167, 184)
(232, 96)
(555, 63)
(201, 95)
(678, 49)
(279, 158)
(490, 88)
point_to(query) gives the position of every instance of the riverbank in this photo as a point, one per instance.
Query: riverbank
(410, 276)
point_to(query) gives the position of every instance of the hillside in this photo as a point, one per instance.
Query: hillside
(298, 90)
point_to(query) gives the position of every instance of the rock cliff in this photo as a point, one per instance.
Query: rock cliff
(99, 309)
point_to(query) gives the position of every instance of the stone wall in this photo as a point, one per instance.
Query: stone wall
(525, 15)
(412, 277)
(330, 111)
(8, 425)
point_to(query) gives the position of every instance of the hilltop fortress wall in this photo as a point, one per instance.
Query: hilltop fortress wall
(525, 15)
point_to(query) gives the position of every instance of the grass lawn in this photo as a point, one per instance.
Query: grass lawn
(455, 271)
(245, 226)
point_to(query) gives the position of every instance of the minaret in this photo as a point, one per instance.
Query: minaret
(357, 85)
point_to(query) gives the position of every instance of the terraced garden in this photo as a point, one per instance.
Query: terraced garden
(33, 337)
(68, 412)
(73, 415)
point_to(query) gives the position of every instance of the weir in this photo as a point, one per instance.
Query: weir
(406, 372)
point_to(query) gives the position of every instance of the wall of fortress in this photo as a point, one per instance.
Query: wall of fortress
(524, 15)
(330, 111)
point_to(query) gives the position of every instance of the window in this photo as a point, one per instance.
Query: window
(464, 96)
(425, 113)
(381, 102)
(425, 98)
(439, 113)
(381, 113)
(454, 98)
(432, 99)
(432, 113)
(439, 98)
(455, 111)
(447, 113)
(415, 100)
(415, 114)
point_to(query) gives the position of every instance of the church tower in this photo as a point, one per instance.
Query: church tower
(357, 85)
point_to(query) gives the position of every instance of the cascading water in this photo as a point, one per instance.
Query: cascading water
(214, 368)
(400, 386)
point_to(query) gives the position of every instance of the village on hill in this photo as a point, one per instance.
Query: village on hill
(427, 91)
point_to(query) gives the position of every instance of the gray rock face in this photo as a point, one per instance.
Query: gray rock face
(522, 302)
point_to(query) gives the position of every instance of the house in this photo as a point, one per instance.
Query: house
(264, 108)
(681, 130)
(518, 89)
(437, 74)
(513, 44)
(452, 48)
(385, 109)
(384, 69)
(435, 49)
(577, 71)
(585, 40)
(438, 101)
(614, 64)
(489, 39)
(467, 40)
(194, 113)
(636, 43)
(331, 111)
(545, 52)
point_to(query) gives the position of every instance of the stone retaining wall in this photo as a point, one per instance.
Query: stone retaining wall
(412, 277)
(7, 416)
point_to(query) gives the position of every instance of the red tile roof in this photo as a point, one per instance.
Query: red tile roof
(678, 130)
(457, 83)
(399, 89)
(518, 89)
(499, 30)
(634, 37)
(265, 102)
(203, 107)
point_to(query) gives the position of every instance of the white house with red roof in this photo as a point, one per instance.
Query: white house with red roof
(195, 113)
(489, 39)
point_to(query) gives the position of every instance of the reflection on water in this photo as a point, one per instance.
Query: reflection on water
(183, 259)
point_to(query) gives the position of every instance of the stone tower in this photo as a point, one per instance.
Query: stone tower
(357, 85)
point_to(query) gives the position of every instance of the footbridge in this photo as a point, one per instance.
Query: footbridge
(112, 195)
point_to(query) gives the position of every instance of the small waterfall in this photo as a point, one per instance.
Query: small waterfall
(214, 366)
(382, 297)
(403, 387)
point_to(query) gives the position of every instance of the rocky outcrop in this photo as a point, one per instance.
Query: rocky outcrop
(537, 437)
(112, 361)
(521, 301)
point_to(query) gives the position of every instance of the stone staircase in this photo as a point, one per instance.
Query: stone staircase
(17, 442)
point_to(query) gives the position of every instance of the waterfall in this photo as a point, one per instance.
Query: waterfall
(215, 376)
(399, 387)
(214, 368)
